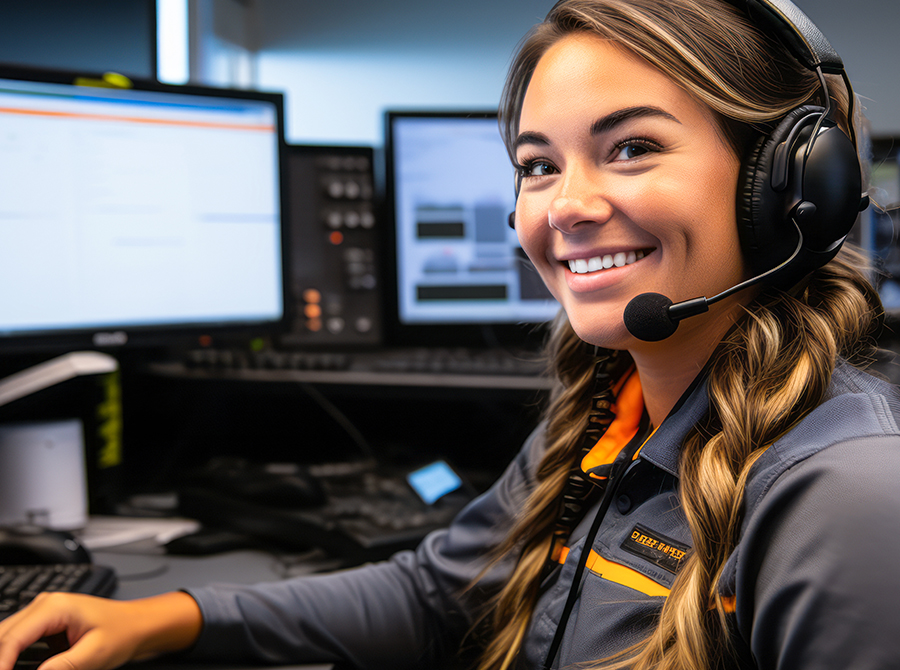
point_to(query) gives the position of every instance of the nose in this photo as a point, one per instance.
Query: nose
(580, 201)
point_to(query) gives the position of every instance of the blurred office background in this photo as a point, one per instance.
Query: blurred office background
(341, 63)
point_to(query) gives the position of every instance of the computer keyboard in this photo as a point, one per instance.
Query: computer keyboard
(236, 359)
(459, 362)
(20, 584)
(446, 361)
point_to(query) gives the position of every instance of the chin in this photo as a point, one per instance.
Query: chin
(606, 333)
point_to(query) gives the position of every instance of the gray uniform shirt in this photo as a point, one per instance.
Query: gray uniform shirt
(812, 580)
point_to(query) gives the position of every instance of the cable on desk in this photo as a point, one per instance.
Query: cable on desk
(340, 418)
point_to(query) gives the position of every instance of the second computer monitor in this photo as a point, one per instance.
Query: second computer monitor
(459, 270)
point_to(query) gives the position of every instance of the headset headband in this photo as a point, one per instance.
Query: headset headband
(794, 29)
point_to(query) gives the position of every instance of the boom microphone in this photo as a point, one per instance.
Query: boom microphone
(652, 317)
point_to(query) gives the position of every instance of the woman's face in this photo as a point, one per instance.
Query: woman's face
(628, 187)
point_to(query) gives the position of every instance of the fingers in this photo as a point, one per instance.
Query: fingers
(103, 634)
(71, 618)
(24, 628)
(10, 648)
(38, 652)
(93, 651)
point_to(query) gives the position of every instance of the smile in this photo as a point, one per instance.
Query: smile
(585, 265)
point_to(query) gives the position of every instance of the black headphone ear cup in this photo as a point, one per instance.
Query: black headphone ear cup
(746, 218)
(832, 183)
(767, 236)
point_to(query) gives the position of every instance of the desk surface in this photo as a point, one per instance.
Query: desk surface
(150, 574)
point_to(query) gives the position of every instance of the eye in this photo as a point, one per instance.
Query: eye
(536, 168)
(635, 148)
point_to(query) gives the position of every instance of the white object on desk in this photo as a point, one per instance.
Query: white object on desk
(108, 532)
(42, 471)
(42, 474)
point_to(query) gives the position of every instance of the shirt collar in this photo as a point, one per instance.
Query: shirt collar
(663, 447)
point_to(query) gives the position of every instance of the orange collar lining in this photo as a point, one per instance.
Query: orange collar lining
(628, 409)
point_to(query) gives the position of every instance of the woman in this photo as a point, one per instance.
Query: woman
(736, 482)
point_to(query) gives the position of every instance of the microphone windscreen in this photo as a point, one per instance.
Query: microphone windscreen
(647, 317)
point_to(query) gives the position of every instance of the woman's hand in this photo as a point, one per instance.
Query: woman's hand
(101, 633)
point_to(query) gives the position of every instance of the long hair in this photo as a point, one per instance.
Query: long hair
(769, 372)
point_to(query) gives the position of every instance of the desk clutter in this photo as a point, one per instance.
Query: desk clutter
(356, 511)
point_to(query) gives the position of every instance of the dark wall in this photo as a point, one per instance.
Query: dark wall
(90, 36)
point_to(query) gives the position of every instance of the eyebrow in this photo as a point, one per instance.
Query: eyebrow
(601, 125)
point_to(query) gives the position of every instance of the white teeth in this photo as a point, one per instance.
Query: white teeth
(622, 258)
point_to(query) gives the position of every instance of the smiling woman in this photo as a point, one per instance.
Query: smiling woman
(646, 132)
(701, 501)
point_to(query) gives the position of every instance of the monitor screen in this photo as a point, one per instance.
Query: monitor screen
(128, 215)
(458, 265)
(882, 219)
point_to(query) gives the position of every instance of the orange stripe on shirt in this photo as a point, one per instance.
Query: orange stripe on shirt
(619, 574)
(622, 574)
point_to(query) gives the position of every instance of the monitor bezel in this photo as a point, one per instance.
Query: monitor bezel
(529, 335)
(176, 334)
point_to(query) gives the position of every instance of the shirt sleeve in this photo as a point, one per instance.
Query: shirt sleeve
(819, 584)
(410, 611)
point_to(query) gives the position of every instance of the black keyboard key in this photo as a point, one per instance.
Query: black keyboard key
(20, 584)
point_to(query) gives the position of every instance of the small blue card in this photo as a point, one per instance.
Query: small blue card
(434, 481)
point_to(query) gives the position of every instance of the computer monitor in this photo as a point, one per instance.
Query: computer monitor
(878, 234)
(457, 272)
(136, 216)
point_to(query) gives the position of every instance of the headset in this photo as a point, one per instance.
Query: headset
(806, 170)
(800, 186)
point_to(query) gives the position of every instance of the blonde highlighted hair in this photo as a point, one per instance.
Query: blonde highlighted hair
(769, 372)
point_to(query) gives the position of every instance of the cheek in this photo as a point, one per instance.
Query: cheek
(534, 237)
(708, 214)
(531, 230)
(720, 206)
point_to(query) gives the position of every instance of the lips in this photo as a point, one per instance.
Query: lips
(605, 262)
